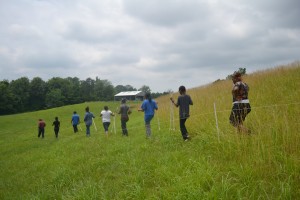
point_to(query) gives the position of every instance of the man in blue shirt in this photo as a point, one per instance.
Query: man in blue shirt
(88, 119)
(148, 107)
(75, 121)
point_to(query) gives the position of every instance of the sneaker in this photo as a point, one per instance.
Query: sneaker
(186, 140)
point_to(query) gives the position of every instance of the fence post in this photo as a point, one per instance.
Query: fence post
(217, 121)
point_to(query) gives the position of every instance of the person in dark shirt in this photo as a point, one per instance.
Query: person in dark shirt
(240, 103)
(41, 128)
(56, 125)
(124, 111)
(183, 102)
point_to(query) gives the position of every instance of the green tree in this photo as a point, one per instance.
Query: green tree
(145, 89)
(87, 89)
(54, 98)
(241, 70)
(74, 91)
(7, 99)
(20, 89)
(37, 91)
(108, 90)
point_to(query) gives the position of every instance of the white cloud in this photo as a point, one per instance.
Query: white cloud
(162, 44)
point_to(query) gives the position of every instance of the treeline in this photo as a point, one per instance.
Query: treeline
(23, 95)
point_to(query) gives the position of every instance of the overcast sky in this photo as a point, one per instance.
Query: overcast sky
(159, 43)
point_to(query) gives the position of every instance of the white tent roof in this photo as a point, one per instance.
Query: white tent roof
(128, 93)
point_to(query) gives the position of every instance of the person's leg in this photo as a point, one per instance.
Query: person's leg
(39, 132)
(88, 130)
(43, 132)
(75, 128)
(124, 128)
(106, 126)
(148, 119)
(56, 132)
(148, 129)
(234, 115)
(183, 129)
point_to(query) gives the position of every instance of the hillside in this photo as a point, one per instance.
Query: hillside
(217, 163)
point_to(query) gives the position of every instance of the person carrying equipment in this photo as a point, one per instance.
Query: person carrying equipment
(241, 105)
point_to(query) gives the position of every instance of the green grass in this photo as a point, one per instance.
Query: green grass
(264, 165)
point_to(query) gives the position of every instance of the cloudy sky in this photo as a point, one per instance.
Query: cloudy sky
(159, 43)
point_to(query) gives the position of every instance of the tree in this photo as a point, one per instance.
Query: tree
(74, 95)
(241, 70)
(145, 89)
(7, 99)
(108, 90)
(54, 98)
(20, 89)
(122, 88)
(87, 89)
(37, 92)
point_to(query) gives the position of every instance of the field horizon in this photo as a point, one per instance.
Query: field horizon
(217, 163)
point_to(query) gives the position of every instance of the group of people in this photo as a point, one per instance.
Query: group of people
(240, 109)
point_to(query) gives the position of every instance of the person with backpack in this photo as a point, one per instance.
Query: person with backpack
(148, 107)
(241, 105)
(183, 102)
(75, 121)
(41, 128)
(56, 125)
(88, 119)
(124, 111)
(105, 114)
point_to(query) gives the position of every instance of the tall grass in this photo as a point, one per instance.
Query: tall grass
(262, 165)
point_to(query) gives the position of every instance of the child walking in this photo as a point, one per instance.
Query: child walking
(148, 107)
(75, 121)
(41, 128)
(105, 114)
(88, 119)
(124, 111)
(56, 125)
(183, 102)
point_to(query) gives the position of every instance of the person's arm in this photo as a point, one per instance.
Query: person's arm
(175, 104)
(112, 114)
(191, 102)
(141, 108)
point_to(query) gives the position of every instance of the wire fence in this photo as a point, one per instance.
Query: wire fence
(214, 119)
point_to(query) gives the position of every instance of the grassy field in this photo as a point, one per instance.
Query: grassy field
(217, 163)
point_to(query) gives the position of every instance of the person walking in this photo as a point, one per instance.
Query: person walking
(105, 114)
(241, 105)
(183, 102)
(41, 128)
(124, 111)
(88, 119)
(148, 107)
(75, 121)
(56, 125)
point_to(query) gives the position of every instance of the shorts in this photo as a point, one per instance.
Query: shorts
(148, 118)
(239, 113)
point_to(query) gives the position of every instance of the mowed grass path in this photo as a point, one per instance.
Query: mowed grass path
(213, 165)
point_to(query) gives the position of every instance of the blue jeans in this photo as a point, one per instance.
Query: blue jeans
(88, 133)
